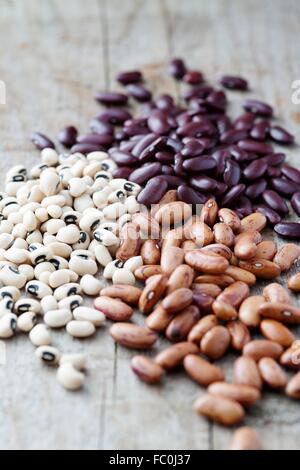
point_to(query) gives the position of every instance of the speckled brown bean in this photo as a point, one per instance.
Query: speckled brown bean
(293, 387)
(245, 438)
(239, 274)
(144, 272)
(170, 196)
(276, 293)
(180, 326)
(248, 312)
(182, 277)
(215, 342)
(218, 249)
(130, 242)
(203, 326)
(159, 319)
(284, 313)
(259, 348)
(234, 294)
(230, 218)
(209, 263)
(276, 331)
(291, 356)
(253, 222)
(221, 280)
(272, 374)
(245, 371)
(152, 292)
(202, 371)
(294, 283)
(146, 369)
(246, 245)
(173, 356)
(224, 311)
(208, 289)
(243, 394)
(286, 256)
(171, 258)
(219, 409)
(128, 294)
(150, 252)
(209, 212)
(266, 250)
(178, 300)
(261, 268)
(223, 234)
(173, 213)
(171, 239)
(239, 333)
(148, 226)
(133, 336)
(201, 233)
(113, 309)
(188, 245)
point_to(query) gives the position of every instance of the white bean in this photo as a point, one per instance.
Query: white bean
(57, 318)
(58, 278)
(48, 354)
(49, 156)
(81, 265)
(69, 377)
(72, 288)
(38, 289)
(123, 276)
(78, 360)
(134, 263)
(90, 285)
(69, 234)
(49, 182)
(40, 335)
(10, 276)
(114, 211)
(80, 328)
(89, 314)
(49, 302)
(27, 305)
(8, 325)
(26, 321)
(29, 221)
(102, 254)
(71, 302)
(105, 237)
(11, 292)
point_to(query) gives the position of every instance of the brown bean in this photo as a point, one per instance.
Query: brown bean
(253, 222)
(204, 302)
(144, 272)
(130, 242)
(128, 294)
(209, 212)
(203, 326)
(152, 292)
(224, 311)
(266, 249)
(173, 356)
(245, 438)
(246, 245)
(294, 282)
(218, 249)
(201, 234)
(150, 252)
(284, 313)
(133, 336)
(202, 371)
(239, 274)
(286, 256)
(188, 245)
(182, 276)
(230, 218)
(239, 333)
(243, 394)
(234, 294)
(113, 309)
(181, 325)
(215, 342)
(146, 369)
(173, 238)
(234, 261)
(223, 234)
(276, 293)
(171, 258)
(248, 312)
(291, 356)
(208, 289)
(173, 213)
(148, 226)
(293, 387)
(209, 263)
(259, 348)
(170, 196)
(219, 409)
(271, 372)
(178, 300)
(276, 331)
(245, 371)
(221, 280)
(159, 319)
(261, 268)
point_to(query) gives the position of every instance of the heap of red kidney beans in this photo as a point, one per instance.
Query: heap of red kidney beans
(194, 147)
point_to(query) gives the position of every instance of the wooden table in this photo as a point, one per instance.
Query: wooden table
(54, 54)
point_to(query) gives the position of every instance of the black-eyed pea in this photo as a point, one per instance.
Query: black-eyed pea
(26, 321)
(40, 335)
(89, 314)
(72, 288)
(69, 377)
(8, 325)
(71, 302)
(10, 276)
(48, 354)
(27, 305)
(11, 292)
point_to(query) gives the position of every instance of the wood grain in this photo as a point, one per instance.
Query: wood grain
(54, 55)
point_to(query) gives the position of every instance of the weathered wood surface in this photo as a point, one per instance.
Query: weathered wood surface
(54, 54)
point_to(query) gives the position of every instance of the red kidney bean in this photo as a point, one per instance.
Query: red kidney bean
(239, 154)
(41, 141)
(221, 188)
(256, 189)
(201, 91)
(199, 164)
(164, 157)
(260, 130)
(114, 116)
(177, 68)
(216, 101)
(158, 122)
(100, 127)
(123, 158)
(232, 136)
(196, 129)
(97, 139)
(223, 124)
(122, 172)
(233, 82)
(189, 195)
(173, 181)
(154, 190)
(272, 216)
(259, 148)
(164, 102)
(192, 147)
(232, 173)
(273, 200)
(288, 229)
(151, 150)
(173, 144)
(111, 98)
(193, 77)
(295, 201)
(144, 173)
(178, 165)
(221, 156)
(285, 187)
(68, 136)
(280, 135)
(275, 159)
(139, 92)
(244, 122)
(258, 108)
(255, 169)
(243, 207)
(86, 148)
(203, 183)
(232, 195)
(142, 144)
(291, 173)
(130, 76)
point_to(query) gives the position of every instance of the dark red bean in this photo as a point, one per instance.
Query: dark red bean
(158, 122)
(272, 216)
(243, 207)
(98, 139)
(255, 169)
(256, 189)
(221, 156)
(111, 98)
(192, 147)
(189, 195)
(154, 190)
(244, 122)
(260, 130)
(123, 158)
(114, 116)
(130, 76)
(101, 127)
(291, 173)
(233, 136)
(193, 77)
(86, 148)
(233, 194)
(41, 141)
(273, 171)
(239, 154)
(177, 68)
(142, 144)
(164, 157)
(232, 173)
(68, 136)
(223, 124)
(122, 172)
(275, 159)
(199, 164)
(295, 202)
(273, 200)
(201, 91)
(144, 173)
(139, 92)
(164, 102)
(173, 180)
(288, 229)
(178, 165)
(256, 147)
(280, 135)
(258, 108)
(220, 189)
(285, 187)
(173, 144)
(167, 170)
(233, 82)
(196, 129)
(203, 183)
(204, 303)
(152, 149)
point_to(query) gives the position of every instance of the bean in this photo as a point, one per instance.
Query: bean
(171, 258)
(203, 183)
(240, 334)
(133, 336)
(48, 354)
(221, 280)
(78, 360)
(258, 108)
(139, 92)
(295, 202)
(57, 318)
(207, 263)
(259, 348)
(223, 234)
(219, 409)
(272, 373)
(40, 336)
(233, 194)
(41, 141)
(276, 293)
(152, 292)
(256, 189)
(255, 169)
(243, 394)
(201, 371)
(130, 76)
(246, 244)
(218, 249)
(128, 294)
(193, 77)
(276, 331)
(26, 321)
(291, 356)
(144, 272)
(230, 218)
(174, 355)
(249, 310)
(276, 203)
(199, 164)
(253, 222)
(215, 342)
(288, 229)
(153, 191)
(280, 135)
(261, 268)
(245, 438)
(69, 377)
(284, 186)
(286, 256)
(294, 282)
(111, 98)
(272, 216)
(266, 249)
(113, 309)
(260, 130)
(146, 369)
(246, 372)
(177, 300)
(68, 136)
(177, 68)
(180, 326)
(282, 312)
(173, 213)
(293, 387)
